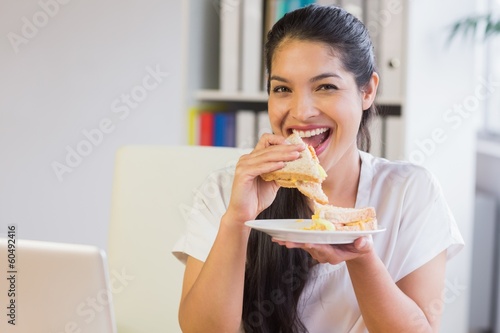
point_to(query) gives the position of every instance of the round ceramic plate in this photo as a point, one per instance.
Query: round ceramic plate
(293, 230)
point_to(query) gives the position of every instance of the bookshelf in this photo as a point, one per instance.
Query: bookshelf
(220, 95)
(222, 86)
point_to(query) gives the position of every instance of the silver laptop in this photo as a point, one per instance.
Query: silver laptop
(54, 288)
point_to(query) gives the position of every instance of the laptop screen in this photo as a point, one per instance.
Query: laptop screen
(54, 288)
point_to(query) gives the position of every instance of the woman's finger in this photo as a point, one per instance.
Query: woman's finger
(268, 139)
(269, 159)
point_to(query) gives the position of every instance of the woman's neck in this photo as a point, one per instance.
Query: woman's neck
(341, 185)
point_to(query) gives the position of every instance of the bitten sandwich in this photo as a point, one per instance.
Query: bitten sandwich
(304, 173)
(328, 217)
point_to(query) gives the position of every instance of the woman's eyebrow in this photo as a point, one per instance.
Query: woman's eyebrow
(278, 78)
(324, 76)
(313, 79)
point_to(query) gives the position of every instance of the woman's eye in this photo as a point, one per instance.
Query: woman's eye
(327, 87)
(280, 89)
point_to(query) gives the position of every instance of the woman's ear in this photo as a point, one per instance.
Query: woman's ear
(370, 91)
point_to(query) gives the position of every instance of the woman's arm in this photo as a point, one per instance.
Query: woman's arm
(212, 293)
(413, 304)
(406, 306)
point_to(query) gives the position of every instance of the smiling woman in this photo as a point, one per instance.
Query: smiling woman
(322, 84)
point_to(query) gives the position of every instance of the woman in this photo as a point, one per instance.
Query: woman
(322, 84)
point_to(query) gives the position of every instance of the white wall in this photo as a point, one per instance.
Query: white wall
(440, 82)
(67, 76)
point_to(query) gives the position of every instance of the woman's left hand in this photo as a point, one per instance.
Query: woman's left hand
(334, 254)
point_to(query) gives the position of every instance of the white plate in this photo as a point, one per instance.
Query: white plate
(293, 230)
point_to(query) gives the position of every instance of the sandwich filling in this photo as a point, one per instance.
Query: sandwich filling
(322, 224)
(328, 217)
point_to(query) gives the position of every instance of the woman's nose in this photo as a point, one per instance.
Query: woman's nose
(302, 107)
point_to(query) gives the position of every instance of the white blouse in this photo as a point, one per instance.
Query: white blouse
(410, 205)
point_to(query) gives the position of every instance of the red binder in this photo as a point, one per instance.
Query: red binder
(206, 129)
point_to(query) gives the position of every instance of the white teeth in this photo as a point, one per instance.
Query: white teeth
(308, 134)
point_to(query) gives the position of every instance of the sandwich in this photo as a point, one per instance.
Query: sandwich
(304, 173)
(328, 217)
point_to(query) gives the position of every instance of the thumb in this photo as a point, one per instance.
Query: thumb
(363, 244)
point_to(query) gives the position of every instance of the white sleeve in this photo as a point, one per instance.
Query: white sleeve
(202, 219)
(426, 229)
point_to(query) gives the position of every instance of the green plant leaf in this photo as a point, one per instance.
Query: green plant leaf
(492, 28)
(469, 27)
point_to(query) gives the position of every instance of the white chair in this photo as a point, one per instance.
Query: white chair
(150, 186)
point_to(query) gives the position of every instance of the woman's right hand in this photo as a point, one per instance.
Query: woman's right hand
(250, 193)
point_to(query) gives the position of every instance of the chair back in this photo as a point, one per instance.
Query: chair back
(151, 187)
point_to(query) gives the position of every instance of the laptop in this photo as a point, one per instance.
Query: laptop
(48, 287)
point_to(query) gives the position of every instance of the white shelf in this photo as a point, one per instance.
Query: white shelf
(381, 100)
(218, 95)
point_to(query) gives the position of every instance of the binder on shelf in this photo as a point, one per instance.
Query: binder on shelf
(229, 65)
(219, 129)
(327, 2)
(206, 128)
(252, 45)
(246, 129)
(224, 129)
(355, 7)
(280, 9)
(263, 123)
(230, 130)
(292, 5)
(308, 2)
(193, 126)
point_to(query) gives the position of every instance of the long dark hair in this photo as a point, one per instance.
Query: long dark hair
(275, 276)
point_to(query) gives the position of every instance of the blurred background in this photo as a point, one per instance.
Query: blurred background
(79, 79)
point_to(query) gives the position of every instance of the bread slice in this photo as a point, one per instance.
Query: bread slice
(329, 217)
(304, 173)
(312, 190)
(309, 189)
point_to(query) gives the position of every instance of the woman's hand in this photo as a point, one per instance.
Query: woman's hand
(251, 194)
(334, 254)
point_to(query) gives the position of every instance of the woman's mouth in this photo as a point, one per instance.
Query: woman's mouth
(315, 137)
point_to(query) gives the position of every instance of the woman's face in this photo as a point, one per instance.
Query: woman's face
(311, 93)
